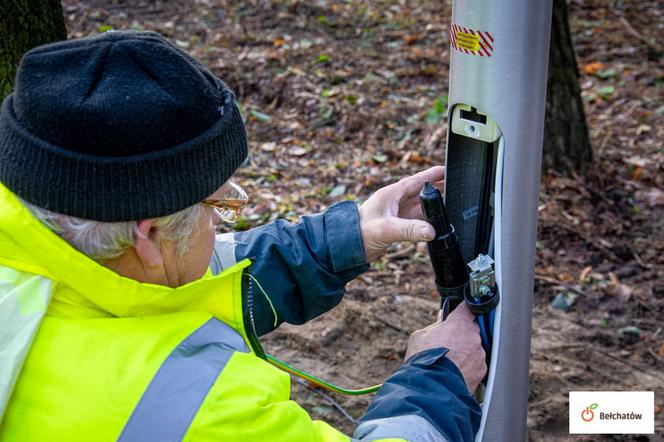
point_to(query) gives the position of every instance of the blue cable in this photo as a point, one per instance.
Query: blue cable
(483, 333)
(485, 323)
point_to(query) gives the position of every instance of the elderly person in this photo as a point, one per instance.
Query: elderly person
(124, 317)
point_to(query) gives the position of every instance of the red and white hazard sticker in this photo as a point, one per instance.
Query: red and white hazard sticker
(471, 41)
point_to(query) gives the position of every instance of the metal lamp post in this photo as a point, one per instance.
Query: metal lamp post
(497, 97)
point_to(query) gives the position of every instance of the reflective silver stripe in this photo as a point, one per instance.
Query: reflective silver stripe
(179, 387)
(223, 255)
(410, 427)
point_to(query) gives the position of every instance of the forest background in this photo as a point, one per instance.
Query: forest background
(344, 97)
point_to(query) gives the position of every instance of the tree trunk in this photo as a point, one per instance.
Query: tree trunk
(566, 144)
(25, 24)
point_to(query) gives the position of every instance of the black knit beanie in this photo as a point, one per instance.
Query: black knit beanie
(118, 127)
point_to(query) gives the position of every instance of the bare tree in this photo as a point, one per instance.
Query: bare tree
(566, 143)
(25, 24)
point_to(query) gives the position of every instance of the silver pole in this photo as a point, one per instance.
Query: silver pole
(497, 95)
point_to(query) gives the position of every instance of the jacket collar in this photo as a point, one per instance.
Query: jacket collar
(29, 246)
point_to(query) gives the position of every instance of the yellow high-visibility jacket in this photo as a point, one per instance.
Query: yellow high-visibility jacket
(90, 355)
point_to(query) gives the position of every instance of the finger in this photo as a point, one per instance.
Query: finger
(440, 185)
(398, 229)
(463, 313)
(409, 206)
(413, 184)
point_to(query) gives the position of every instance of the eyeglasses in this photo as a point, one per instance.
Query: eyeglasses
(229, 206)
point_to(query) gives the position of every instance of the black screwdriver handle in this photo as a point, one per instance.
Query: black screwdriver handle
(446, 259)
(434, 209)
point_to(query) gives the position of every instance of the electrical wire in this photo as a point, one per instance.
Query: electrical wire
(303, 374)
(483, 333)
(485, 323)
(318, 381)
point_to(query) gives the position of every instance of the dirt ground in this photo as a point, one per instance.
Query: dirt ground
(344, 97)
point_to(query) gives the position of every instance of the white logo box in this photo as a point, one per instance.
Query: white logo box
(612, 412)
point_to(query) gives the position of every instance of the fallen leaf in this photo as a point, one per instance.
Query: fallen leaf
(658, 409)
(563, 301)
(655, 197)
(416, 53)
(643, 128)
(661, 350)
(297, 151)
(623, 292)
(268, 147)
(607, 73)
(379, 158)
(605, 242)
(566, 277)
(597, 276)
(636, 161)
(593, 68)
(409, 39)
(322, 409)
(430, 70)
(584, 273)
(638, 173)
(606, 91)
(337, 191)
(587, 85)
(260, 116)
(303, 182)
(630, 331)
(614, 279)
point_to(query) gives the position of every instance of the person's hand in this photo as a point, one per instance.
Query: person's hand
(460, 334)
(394, 213)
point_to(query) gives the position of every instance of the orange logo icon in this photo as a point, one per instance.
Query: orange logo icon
(588, 414)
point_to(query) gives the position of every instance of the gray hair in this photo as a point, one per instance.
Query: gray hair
(102, 240)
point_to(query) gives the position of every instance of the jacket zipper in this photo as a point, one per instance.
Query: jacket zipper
(248, 313)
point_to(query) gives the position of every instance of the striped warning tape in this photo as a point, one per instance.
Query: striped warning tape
(471, 41)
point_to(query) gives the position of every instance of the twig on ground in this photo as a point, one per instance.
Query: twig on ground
(327, 397)
(656, 356)
(630, 29)
(609, 355)
(554, 281)
(638, 259)
(389, 324)
(592, 242)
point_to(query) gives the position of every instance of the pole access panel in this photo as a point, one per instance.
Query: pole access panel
(497, 94)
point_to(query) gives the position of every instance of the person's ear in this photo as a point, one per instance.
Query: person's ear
(148, 245)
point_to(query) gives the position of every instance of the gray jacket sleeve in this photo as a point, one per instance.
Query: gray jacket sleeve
(300, 268)
(425, 400)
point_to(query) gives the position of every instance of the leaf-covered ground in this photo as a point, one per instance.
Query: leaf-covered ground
(344, 97)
